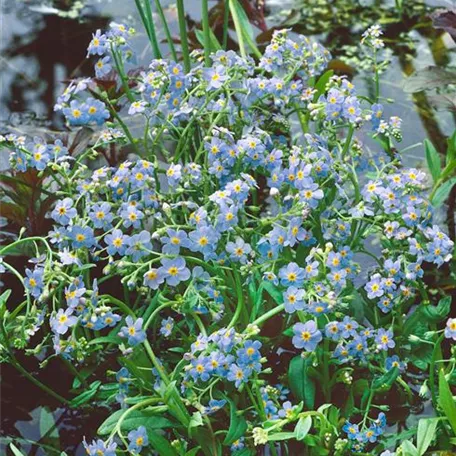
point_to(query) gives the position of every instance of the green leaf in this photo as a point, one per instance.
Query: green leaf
(437, 313)
(15, 450)
(442, 192)
(408, 449)
(215, 45)
(446, 400)
(302, 386)
(432, 159)
(133, 420)
(106, 340)
(320, 86)
(426, 433)
(451, 149)
(161, 444)
(303, 427)
(3, 298)
(246, 26)
(275, 294)
(281, 436)
(86, 395)
(386, 380)
(196, 420)
(238, 425)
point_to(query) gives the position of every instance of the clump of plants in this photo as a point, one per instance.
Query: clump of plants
(253, 269)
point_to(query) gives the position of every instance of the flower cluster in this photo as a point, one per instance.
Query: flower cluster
(224, 219)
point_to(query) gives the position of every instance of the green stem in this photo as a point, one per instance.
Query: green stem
(348, 141)
(169, 38)
(268, 315)
(226, 17)
(206, 32)
(240, 296)
(183, 34)
(435, 352)
(238, 28)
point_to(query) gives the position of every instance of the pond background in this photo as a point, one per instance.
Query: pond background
(41, 50)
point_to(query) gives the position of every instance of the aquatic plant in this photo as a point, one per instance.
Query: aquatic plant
(249, 224)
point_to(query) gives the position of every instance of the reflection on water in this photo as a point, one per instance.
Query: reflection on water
(41, 50)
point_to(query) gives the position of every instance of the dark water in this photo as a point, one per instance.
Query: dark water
(42, 49)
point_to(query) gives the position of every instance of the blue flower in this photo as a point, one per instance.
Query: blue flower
(293, 299)
(394, 361)
(306, 336)
(174, 270)
(133, 331)
(77, 113)
(64, 211)
(98, 45)
(450, 329)
(333, 331)
(291, 274)
(214, 406)
(117, 242)
(33, 281)
(238, 250)
(348, 327)
(215, 77)
(352, 430)
(200, 369)
(138, 439)
(101, 216)
(100, 448)
(374, 287)
(384, 339)
(82, 236)
(138, 244)
(167, 326)
(238, 375)
(62, 321)
(103, 66)
(174, 241)
(132, 216)
(204, 239)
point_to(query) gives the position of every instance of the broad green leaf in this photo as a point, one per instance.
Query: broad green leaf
(274, 292)
(432, 159)
(302, 386)
(442, 192)
(321, 83)
(161, 445)
(238, 426)
(303, 427)
(425, 434)
(192, 452)
(246, 26)
(439, 312)
(446, 400)
(196, 420)
(408, 449)
(133, 420)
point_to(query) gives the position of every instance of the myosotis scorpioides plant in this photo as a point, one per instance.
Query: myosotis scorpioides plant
(235, 239)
